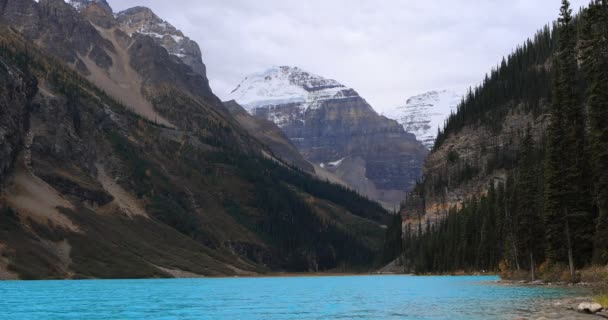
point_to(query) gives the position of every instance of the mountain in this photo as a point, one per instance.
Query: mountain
(143, 21)
(271, 135)
(424, 114)
(336, 129)
(118, 161)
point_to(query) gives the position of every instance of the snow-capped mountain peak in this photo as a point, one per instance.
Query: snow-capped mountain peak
(287, 85)
(423, 114)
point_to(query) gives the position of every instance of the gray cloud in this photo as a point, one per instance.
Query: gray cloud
(386, 50)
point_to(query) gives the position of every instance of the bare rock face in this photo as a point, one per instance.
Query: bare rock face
(16, 90)
(123, 55)
(329, 123)
(82, 5)
(57, 27)
(467, 163)
(143, 21)
(98, 12)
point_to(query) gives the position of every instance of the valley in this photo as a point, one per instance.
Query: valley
(120, 159)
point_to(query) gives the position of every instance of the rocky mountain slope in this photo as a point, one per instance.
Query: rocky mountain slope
(143, 21)
(336, 129)
(483, 140)
(424, 114)
(117, 160)
(271, 135)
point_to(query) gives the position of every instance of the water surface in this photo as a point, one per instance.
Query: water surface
(363, 297)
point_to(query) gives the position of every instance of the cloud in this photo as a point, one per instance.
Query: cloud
(386, 50)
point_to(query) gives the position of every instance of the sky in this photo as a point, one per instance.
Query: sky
(387, 50)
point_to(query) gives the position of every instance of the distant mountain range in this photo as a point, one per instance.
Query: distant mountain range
(337, 130)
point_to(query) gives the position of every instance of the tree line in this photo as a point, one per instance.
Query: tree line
(552, 210)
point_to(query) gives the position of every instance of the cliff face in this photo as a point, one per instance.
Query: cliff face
(468, 162)
(117, 160)
(332, 126)
(143, 21)
(16, 92)
(481, 144)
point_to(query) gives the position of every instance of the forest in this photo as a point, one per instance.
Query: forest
(551, 213)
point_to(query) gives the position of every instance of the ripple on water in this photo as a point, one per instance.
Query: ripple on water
(365, 297)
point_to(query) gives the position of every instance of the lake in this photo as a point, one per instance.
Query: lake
(348, 297)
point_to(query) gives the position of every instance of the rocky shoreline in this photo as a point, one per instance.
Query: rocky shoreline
(566, 308)
(577, 308)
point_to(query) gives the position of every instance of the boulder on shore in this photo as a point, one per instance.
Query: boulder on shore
(589, 307)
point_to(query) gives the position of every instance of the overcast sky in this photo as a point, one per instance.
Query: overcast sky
(387, 50)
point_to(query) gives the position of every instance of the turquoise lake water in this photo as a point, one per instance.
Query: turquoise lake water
(362, 297)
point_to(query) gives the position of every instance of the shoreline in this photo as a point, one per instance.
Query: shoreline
(575, 308)
(552, 308)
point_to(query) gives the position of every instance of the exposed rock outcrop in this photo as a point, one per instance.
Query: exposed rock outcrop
(143, 21)
(16, 92)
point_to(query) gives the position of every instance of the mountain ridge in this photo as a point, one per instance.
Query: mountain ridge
(328, 122)
(126, 195)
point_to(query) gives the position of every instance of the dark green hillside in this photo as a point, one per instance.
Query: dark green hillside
(136, 199)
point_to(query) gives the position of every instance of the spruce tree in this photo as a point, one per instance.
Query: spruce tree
(595, 63)
(529, 228)
(568, 203)
(556, 185)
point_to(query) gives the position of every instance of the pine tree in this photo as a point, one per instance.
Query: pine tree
(529, 228)
(595, 63)
(568, 205)
(555, 203)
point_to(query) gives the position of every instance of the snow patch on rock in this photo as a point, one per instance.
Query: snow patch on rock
(423, 114)
(142, 20)
(333, 164)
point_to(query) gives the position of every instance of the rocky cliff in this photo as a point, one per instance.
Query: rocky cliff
(335, 128)
(143, 21)
(468, 162)
(481, 144)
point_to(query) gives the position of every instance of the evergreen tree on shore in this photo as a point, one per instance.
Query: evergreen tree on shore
(558, 215)
(529, 228)
(594, 47)
(564, 94)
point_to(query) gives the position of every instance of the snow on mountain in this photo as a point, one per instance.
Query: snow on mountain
(80, 5)
(143, 21)
(336, 129)
(279, 86)
(423, 114)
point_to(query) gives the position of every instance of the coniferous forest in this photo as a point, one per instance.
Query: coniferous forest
(551, 213)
